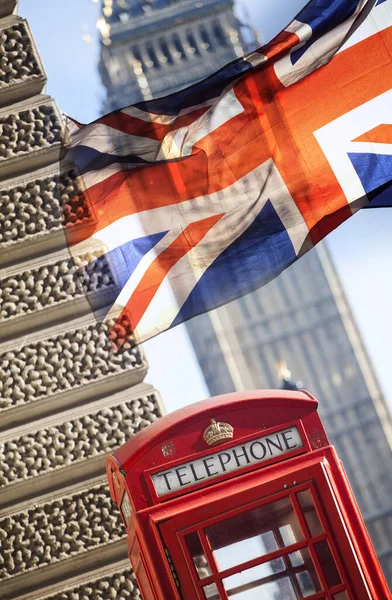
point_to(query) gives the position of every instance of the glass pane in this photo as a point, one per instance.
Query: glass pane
(340, 596)
(305, 572)
(254, 575)
(199, 558)
(305, 583)
(211, 592)
(328, 564)
(296, 559)
(281, 589)
(297, 573)
(310, 514)
(288, 536)
(254, 533)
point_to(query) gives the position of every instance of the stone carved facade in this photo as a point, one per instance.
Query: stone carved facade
(38, 207)
(38, 288)
(48, 532)
(119, 585)
(60, 363)
(30, 133)
(77, 439)
(66, 399)
(20, 67)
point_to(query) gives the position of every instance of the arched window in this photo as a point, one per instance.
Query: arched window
(153, 57)
(138, 56)
(192, 42)
(165, 50)
(179, 47)
(219, 34)
(206, 39)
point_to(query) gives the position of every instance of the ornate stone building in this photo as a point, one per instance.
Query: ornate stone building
(65, 398)
(152, 47)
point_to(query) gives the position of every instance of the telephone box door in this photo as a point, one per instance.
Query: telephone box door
(268, 542)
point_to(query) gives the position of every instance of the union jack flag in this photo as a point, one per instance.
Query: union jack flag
(207, 194)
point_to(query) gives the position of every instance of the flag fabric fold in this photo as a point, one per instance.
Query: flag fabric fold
(202, 196)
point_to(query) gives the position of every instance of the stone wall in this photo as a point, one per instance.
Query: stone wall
(47, 533)
(34, 208)
(21, 70)
(66, 398)
(68, 440)
(119, 585)
(40, 287)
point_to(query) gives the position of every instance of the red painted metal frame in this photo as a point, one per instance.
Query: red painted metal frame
(351, 520)
(221, 448)
(248, 412)
(128, 454)
(162, 522)
(283, 552)
(309, 468)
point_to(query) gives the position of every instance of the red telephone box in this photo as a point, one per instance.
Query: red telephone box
(242, 497)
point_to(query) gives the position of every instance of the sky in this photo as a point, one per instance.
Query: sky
(66, 38)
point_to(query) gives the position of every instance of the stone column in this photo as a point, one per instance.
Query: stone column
(66, 399)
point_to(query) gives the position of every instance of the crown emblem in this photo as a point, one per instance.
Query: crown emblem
(217, 432)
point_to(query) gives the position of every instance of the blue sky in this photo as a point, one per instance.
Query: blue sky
(66, 37)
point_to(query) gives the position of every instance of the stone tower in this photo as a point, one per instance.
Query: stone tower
(304, 318)
(65, 398)
(151, 48)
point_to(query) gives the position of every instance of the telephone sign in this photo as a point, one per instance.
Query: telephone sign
(242, 497)
(218, 463)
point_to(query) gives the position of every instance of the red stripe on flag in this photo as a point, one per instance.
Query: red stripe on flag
(280, 45)
(156, 273)
(277, 122)
(121, 121)
(129, 192)
(382, 134)
(352, 78)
